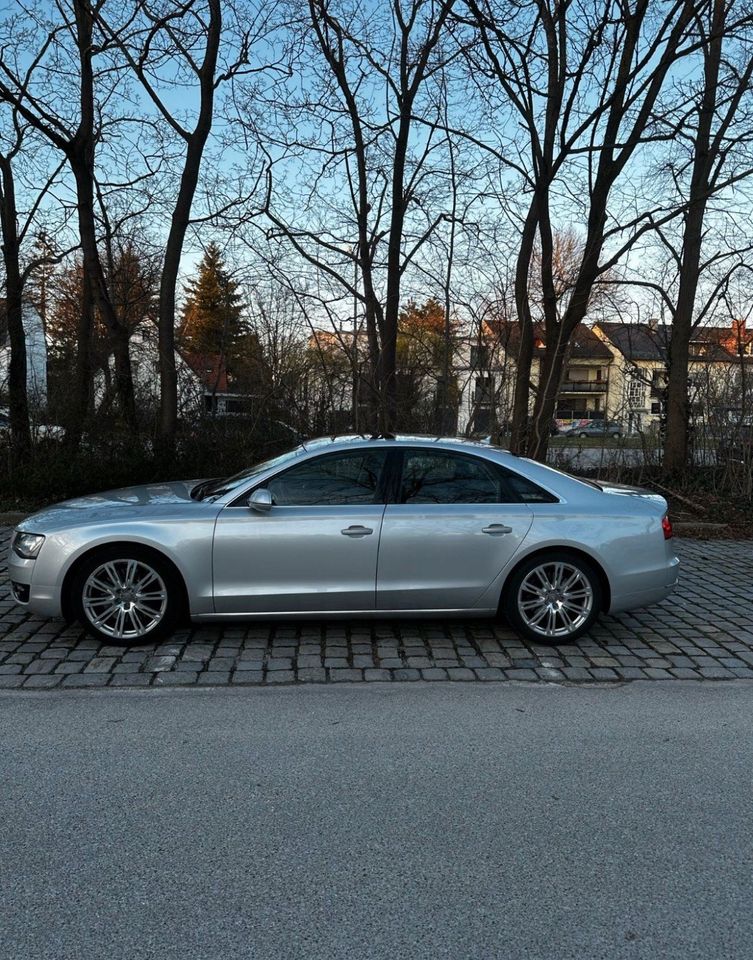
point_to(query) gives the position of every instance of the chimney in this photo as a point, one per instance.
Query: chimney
(653, 324)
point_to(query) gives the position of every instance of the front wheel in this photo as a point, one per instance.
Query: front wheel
(126, 595)
(553, 598)
(583, 435)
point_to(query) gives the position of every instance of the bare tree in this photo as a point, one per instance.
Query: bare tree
(584, 83)
(375, 132)
(188, 46)
(716, 132)
(15, 227)
(76, 139)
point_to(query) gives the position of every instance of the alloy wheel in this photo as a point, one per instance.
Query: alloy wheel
(555, 599)
(124, 599)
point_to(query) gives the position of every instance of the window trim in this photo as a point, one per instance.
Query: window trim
(379, 496)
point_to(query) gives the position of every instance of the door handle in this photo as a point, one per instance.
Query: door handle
(356, 531)
(496, 529)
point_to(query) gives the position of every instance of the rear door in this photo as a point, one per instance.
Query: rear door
(456, 523)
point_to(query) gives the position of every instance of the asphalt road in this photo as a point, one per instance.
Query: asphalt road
(378, 821)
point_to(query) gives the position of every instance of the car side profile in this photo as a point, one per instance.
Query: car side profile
(351, 527)
(597, 428)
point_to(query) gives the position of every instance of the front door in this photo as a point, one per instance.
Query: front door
(451, 532)
(315, 550)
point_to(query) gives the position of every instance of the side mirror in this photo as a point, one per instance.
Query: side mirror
(261, 501)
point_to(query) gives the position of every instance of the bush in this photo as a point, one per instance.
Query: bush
(208, 448)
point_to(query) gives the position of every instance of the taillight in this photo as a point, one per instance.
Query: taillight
(666, 525)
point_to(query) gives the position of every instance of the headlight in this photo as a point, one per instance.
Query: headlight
(27, 545)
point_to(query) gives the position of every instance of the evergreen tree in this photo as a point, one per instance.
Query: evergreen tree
(212, 312)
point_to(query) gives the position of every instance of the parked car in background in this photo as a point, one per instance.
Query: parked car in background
(349, 527)
(597, 428)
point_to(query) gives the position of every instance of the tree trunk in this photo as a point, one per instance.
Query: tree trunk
(676, 440)
(18, 400)
(195, 141)
(80, 152)
(550, 378)
(518, 438)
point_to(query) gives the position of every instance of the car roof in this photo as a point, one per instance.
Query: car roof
(400, 439)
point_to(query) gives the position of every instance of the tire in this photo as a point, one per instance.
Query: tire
(583, 436)
(524, 598)
(115, 574)
(616, 436)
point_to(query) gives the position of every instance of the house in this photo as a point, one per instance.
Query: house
(36, 355)
(721, 366)
(204, 384)
(486, 369)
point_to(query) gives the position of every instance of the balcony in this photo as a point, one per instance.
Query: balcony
(584, 386)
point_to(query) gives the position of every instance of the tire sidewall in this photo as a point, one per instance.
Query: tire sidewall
(509, 603)
(162, 567)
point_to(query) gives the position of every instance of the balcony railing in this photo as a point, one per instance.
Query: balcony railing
(584, 386)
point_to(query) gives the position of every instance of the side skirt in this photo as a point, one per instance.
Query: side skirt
(346, 614)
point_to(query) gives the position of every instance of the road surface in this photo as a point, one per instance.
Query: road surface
(378, 821)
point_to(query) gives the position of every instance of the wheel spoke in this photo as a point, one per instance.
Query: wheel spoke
(539, 616)
(130, 573)
(112, 572)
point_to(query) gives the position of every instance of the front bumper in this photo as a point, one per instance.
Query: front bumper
(39, 598)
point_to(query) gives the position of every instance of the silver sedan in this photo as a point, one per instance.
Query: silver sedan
(348, 527)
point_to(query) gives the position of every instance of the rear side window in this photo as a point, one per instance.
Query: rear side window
(336, 479)
(526, 491)
(434, 476)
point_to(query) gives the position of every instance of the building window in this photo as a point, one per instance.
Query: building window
(635, 391)
(484, 390)
(479, 356)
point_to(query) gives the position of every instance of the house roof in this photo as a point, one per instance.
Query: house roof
(643, 341)
(210, 368)
(638, 341)
(584, 344)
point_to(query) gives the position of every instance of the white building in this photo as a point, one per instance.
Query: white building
(36, 356)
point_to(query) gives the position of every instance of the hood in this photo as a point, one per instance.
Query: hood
(161, 499)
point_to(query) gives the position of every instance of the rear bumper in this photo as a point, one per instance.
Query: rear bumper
(655, 586)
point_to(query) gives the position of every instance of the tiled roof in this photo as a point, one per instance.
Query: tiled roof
(210, 368)
(638, 341)
(643, 341)
(584, 344)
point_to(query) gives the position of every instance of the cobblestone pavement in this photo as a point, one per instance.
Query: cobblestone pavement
(704, 631)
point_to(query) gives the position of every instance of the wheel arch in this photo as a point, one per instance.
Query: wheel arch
(66, 600)
(606, 590)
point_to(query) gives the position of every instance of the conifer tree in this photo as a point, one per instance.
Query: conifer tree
(212, 312)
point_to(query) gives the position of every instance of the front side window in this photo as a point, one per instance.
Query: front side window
(437, 477)
(336, 479)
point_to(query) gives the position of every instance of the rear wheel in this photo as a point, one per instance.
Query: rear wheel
(583, 435)
(124, 595)
(553, 598)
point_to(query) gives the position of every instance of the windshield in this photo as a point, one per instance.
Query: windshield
(223, 485)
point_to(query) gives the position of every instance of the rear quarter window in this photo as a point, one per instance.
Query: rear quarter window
(526, 491)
